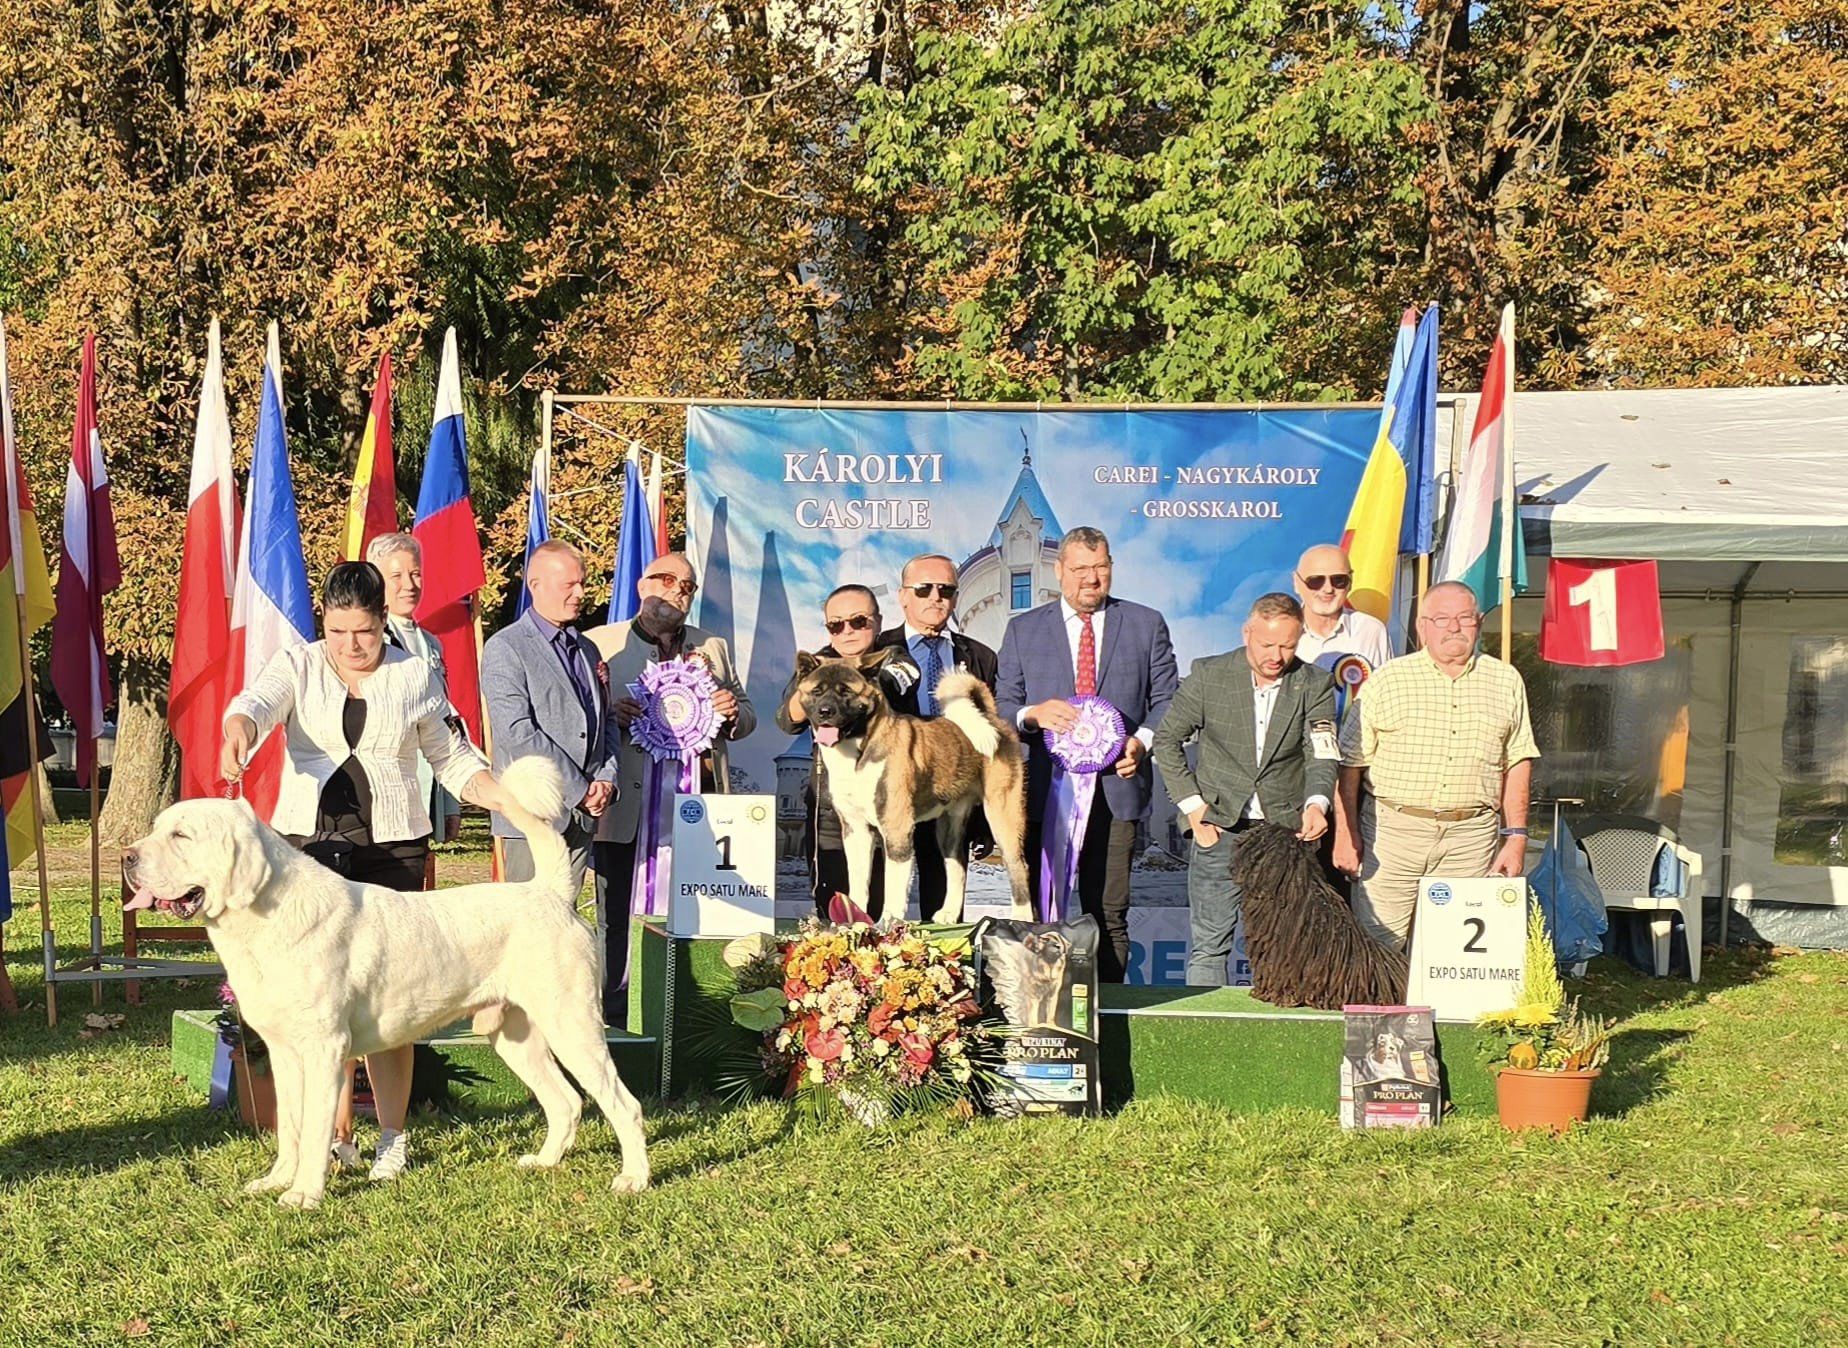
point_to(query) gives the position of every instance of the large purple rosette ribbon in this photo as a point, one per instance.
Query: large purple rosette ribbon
(677, 724)
(1079, 754)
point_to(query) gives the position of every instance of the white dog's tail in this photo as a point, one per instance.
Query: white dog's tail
(967, 704)
(536, 791)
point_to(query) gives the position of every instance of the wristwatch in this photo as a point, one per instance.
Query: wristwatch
(1514, 833)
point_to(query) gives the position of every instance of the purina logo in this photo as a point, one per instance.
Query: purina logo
(692, 811)
(1440, 894)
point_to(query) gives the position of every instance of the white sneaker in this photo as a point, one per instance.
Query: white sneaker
(393, 1155)
(345, 1154)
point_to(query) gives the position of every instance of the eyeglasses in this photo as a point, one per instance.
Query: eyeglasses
(675, 582)
(858, 623)
(1317, 582)
(925, 589)
(1456, 624)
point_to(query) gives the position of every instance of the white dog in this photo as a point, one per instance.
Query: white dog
(327, 970)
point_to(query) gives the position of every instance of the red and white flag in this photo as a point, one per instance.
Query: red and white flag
(88, 569)
(1601, 613)
(202, 664)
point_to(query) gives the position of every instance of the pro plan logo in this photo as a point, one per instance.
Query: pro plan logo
(1440, 893)
(692, 810)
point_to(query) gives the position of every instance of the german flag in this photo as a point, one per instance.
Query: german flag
(25, 587)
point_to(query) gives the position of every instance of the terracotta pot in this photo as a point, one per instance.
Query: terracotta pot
(255, 1092)
(1552, 1100)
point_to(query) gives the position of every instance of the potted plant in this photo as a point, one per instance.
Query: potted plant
(1544, 1050)
(250, 1066)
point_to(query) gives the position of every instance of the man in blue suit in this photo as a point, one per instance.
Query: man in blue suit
(1089, 643)
(546, 695)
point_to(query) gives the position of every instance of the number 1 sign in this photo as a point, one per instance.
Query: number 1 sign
(724, 877)
(1469, 943)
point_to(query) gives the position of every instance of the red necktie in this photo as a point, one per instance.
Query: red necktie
(1087, 658)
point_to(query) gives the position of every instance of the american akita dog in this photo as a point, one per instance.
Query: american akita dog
(889, 772)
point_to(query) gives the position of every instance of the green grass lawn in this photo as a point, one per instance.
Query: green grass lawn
(1708, 1204)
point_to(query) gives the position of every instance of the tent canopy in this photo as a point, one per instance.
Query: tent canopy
(1688, 475)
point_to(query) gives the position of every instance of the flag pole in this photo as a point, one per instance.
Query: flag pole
(96, 868)
(38, 805)
(1511, 515)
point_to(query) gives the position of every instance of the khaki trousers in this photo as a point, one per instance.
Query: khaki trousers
(1400, 850)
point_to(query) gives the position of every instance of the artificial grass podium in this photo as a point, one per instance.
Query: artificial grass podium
(1220, 1045)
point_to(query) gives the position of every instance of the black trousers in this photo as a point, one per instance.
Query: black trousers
(1103, 881)
(615, 869)
(398, 866)
(830, 871)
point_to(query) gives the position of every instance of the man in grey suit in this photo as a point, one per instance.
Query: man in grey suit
(1268, 752)
(1087, 642)
(546, 696)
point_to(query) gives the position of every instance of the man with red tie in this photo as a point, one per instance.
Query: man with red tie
(1088, 643)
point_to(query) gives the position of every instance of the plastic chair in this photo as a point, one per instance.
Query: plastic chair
(1624, 863)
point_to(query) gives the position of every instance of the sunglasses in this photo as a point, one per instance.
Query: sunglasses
(664, 578)
(1317, 582)
(923, 591)
(858, 623)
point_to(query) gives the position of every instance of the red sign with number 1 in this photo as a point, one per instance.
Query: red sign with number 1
(1601, 613)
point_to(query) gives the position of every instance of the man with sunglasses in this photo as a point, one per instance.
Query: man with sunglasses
(927, 588)
(1089, 642)
(1444, 741)
(659, 631)
(851, 617)
(1332, 630)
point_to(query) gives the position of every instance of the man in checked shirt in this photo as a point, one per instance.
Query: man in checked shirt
(1443, 738)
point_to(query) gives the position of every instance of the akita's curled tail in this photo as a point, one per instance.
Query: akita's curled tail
(967, 704)
(537, 806)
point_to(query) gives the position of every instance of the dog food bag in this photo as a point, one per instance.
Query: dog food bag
(1389, 1068)
(1041, 979)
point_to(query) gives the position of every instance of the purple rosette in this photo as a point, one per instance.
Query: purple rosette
(1094, 742)
(678, 717)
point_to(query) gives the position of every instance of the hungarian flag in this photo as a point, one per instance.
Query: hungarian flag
(202, 666)
(1483, 508)
(88, 569)
(25, 598)
(271, 607)
(1601, 613)
(372, 509)
(1392, 507)
(445, 526)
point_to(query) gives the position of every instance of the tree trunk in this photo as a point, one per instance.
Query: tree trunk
(46, 799)
(142, 782)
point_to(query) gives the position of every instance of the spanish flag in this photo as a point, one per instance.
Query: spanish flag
(1399, 470)
(373, 507)
(25, 589)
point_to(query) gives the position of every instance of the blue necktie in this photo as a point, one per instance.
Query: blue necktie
(933, 670)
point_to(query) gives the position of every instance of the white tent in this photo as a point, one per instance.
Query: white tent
(1741, 732)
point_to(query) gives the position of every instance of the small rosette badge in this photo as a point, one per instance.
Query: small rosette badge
(1093, 742)
(678, 716)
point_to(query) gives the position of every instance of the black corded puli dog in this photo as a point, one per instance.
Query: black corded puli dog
(1305, 947)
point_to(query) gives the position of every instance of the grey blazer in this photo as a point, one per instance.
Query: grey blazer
(1215, 703)
(533, 709)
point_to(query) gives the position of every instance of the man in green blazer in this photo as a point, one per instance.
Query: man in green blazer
(1267, 752)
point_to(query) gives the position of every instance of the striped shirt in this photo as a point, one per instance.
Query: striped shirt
(1435, 742)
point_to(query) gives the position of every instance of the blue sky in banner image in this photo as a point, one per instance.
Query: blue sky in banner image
(1205, 510)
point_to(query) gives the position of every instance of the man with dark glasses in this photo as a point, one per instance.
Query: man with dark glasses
(927, 588)
(851, 617)
(1331, 630)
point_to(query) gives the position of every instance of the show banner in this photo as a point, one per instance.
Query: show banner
(1205, 511)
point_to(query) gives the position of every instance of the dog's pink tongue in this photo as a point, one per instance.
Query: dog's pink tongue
(144, 898)
(827, 734)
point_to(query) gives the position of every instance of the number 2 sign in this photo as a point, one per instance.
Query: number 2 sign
(1469, 942)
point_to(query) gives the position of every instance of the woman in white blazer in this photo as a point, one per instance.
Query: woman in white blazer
(356, 717)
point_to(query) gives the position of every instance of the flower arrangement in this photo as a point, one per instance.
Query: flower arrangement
(1545, 1031)
(875, 1018)
(233, 1030)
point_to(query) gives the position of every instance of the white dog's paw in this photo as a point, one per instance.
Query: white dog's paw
(945, 917)
(630, 1184)
(297, 1198)
(267, 1184)
(534, 1161)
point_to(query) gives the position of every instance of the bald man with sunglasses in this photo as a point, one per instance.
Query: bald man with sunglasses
(927, 590)
(1332, 630)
